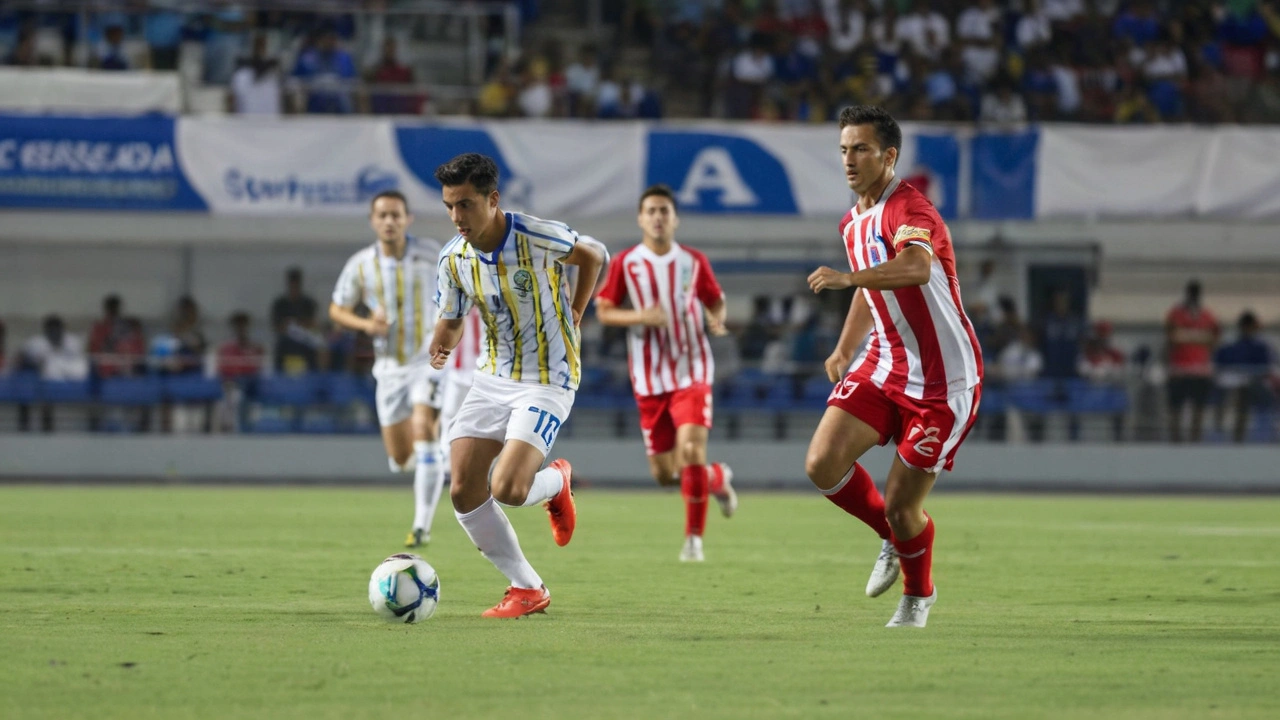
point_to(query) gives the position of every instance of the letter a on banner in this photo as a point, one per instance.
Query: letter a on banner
(714, 169)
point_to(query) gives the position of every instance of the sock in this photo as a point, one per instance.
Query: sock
(715, 479)
(428, 481)
(492, 534)
(916, 558)
(857, 495)
(693, 487)
(547, 483)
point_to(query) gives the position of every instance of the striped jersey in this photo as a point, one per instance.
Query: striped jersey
(923, 345)
(520, 292)
(463, 359)
(404, 288)
(670, 358)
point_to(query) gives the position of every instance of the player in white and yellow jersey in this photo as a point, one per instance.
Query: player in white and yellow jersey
(395, 278)
(510, 266)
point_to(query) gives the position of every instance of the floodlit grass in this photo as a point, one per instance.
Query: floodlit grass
(125, 602)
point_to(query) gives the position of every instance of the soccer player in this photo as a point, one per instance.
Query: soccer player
(918, 380)
(671, 288)
(395, 278)
(510, 266)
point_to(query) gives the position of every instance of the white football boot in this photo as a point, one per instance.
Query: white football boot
(913, 611)
(692, 549)
(885, 572)
(728, 499)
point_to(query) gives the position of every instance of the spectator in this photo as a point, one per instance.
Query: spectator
(1244, 368)
(1020, 360)
(751, 71)
(978, 31)
(1192, 334)
(162, 30)
(1008, 328)
(390, 71)
(114, 347)
(582, 77)
(1165, 71)
(1135, 107)
(1101, 362)
(924, 30)
(1003, 109)
(497, 93)
(1034, 28)
(326, 69)
(24, 52)
(846, 24)
(535, 98)
(293, 317)
(55, 354)
(1066, 83)
(256, 83)
(986, 294)
(239, 360)
(112, 56)
(1137, 23)
(181, 350)
(1062, 334)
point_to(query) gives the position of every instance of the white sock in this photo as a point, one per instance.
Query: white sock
(428, 480)
(547, 483)
(491, 532)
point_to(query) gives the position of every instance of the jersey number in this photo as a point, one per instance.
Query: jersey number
(547, 427)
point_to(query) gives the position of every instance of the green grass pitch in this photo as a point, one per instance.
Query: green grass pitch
(175, 602)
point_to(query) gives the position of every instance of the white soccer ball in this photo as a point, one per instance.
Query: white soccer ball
(404, 589)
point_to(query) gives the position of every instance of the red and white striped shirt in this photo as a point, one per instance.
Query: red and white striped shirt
(465, 357)
(670, 358)
(923, 345)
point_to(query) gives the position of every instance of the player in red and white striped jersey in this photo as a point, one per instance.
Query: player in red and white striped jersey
(670, 288)
(919, 379)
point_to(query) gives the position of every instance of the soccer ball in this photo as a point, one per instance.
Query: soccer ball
(404, 589)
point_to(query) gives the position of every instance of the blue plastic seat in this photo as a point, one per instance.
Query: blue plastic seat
(994, 401)
(1084, 397)
(298, 391)
(816, 389)
(192, 388)
(1035, 396)
(20, 387)
(135, 391)
(66, 391)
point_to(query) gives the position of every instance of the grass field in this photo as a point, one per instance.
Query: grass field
(180, 602)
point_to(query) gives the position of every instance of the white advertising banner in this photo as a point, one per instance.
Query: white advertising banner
(74, 90)
(287, 167)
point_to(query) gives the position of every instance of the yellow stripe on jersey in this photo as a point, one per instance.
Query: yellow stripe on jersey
(525, 259)
(565, 318)
(400, 310)
(377, 283)
(418, 318)
(517, 356)
(490, 322)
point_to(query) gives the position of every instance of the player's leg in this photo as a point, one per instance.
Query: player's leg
(691, 456)
(394, 407)
(932, 432)
(659, 436)
(428, 476)
(664, 469)
(537, 415)
(691, 408)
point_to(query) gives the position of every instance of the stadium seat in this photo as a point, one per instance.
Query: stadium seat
(1084, 397)
(994, 401)
(299, 391)
(1035, 396)
(816, 390)
(131, 391)
(69, 391)
(19, 387)
(192, 389)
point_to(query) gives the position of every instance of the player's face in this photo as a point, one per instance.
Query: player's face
(865, 163)
(658, 219)
(471, 212)
(389, 219)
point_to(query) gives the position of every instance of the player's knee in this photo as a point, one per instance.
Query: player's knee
(816, 467)
(900, 516)
(506, 491)
(399, 464)
(691, 452)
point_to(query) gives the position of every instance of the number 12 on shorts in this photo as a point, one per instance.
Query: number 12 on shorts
(548, 425)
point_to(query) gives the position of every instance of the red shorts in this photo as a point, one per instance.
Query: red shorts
(660, 415)
(928, 432)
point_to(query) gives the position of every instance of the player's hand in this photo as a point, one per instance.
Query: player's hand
(378, 325)
(439, 356)
(824, 278)
(715, 326)
(653, 316)
(837, 365)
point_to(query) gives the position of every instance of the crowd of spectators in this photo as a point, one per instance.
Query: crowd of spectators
(998, 62)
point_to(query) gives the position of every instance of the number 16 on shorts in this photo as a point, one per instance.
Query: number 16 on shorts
(547, 427)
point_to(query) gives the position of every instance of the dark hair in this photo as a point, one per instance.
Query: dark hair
(293, 274)
(392, 194)
(1193, 289)
(1248, 320)
(659, 190)
(111, 304)
(887, 130)
(239, 317)
(474, 168)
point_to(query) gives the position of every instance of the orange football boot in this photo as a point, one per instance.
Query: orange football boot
(518, 602)
(560, 509)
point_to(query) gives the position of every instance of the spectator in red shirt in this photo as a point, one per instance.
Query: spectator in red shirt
(105, 339)
(1192, 334)
(390, 71)
(240, 357)
(1101, 362)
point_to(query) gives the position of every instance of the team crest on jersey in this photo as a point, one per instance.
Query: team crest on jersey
(523, 282)
(686, 279)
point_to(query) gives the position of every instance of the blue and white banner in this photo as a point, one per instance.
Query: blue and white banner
(100, 163)
(333, 166)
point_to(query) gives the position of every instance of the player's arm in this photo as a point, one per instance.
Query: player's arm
(717, 312)
(447, 335)
(856, 326)
(375, 325)
(609, 314)
(589, 260)
(911, 267)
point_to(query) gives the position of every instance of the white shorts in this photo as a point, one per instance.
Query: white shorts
(399, 389)
(501, 409)
(456, 387)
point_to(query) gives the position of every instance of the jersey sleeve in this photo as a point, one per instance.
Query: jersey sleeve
(918, 224)
(707, 288)
(556, 244)
(349, 290)
(615, 285)
(451, 300)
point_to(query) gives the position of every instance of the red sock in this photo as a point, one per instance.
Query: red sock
(916, 557)
(693, 487)
(858, 496)
(715, 478)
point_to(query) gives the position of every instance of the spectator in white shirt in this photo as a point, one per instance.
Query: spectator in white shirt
(1034, 27)
(256, 83)
(978, 28)
(846, 24)
(582, 79)
(1003, 109)
(55, 353)
(924, 30)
